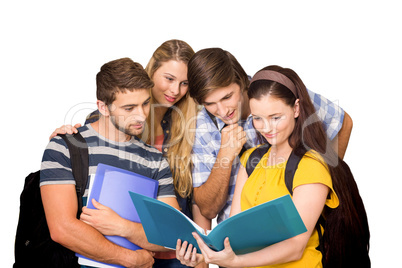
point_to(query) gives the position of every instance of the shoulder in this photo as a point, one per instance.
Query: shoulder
(56, 145)
(313, 160)
(330, 114)
(246, 155)
(207, 136)
(312, 169)
(56, 164)
(204, 121)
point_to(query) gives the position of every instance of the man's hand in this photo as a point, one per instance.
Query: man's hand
(232, 141)
(144, 259)
(104, 219)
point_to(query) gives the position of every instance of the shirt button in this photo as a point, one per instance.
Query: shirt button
(167, 131)
(164, 121)
(165, 150)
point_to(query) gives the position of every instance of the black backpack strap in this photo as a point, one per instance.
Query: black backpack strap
(255, 157)
(291, 167)
(78, 149)
(321, 222)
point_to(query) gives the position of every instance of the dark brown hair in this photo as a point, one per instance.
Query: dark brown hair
(118, 76)
(213, 68)
(346, 235)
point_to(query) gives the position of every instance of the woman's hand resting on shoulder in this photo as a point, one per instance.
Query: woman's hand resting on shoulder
(65, 129)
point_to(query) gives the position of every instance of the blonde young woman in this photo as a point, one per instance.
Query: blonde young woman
(173, 113)
(169, 125)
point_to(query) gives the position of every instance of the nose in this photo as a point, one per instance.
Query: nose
(221, 109)
(175, 89)
(267, 126)
(142, 112)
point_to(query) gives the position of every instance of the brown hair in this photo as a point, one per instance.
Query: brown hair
(213, 68)
(346, 235)
(183, 118)
(118, 76)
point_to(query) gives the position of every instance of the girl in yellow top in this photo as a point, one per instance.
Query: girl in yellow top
(323, 184)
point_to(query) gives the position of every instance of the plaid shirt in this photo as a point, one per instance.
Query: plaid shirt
(208, 141)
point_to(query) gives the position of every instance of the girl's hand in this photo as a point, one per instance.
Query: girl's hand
(225, 258)
(66, 129)
(187, 254)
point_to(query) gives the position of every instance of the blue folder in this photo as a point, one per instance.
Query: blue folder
(248, 231)
(111, 188)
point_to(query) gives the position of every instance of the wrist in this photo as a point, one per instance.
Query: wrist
(237, 261)
(126, 229)
(129, 258)
(226, 158)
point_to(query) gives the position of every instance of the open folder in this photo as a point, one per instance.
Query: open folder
(111, 188)
(248, 231)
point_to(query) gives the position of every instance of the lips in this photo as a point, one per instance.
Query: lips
(169, 98)
(230, 116)
(270, 136)
(137, 126)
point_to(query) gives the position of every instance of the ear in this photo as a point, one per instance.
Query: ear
(296, 108)
(103, 108)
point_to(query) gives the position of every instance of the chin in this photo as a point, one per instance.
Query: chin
(163, 101)
(134, 132)
(234, 120)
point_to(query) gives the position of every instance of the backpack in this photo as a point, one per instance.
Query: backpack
(33, 244)
(290, 170)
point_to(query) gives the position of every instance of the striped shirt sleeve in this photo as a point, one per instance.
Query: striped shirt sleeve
(165, 179)
(56, 164)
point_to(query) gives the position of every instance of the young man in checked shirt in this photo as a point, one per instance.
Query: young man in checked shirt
(219, 83)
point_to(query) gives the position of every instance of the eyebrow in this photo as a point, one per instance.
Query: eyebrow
(135, 105)
(170, 75)
(271, 115)
(226, 96)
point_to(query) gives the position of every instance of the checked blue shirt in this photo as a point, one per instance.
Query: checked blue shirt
(208, 141)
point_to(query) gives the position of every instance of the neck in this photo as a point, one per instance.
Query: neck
(106, 129)
(279, 153)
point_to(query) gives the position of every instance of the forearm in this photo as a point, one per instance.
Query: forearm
(134, 232)
(283, 252)
(200, 220)
(85, 240)
(212, 195)
(341, 141)
(309, 200)
(60, 205)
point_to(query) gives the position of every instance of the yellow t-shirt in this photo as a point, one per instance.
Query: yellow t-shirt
(268, 182)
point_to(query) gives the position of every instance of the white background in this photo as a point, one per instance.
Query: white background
(349, 51)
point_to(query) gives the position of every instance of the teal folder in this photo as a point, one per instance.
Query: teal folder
(248, 231)
(111, 188)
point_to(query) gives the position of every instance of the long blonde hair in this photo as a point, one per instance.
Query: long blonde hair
(183, 119)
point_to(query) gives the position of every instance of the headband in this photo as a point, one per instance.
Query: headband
(276, 77)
